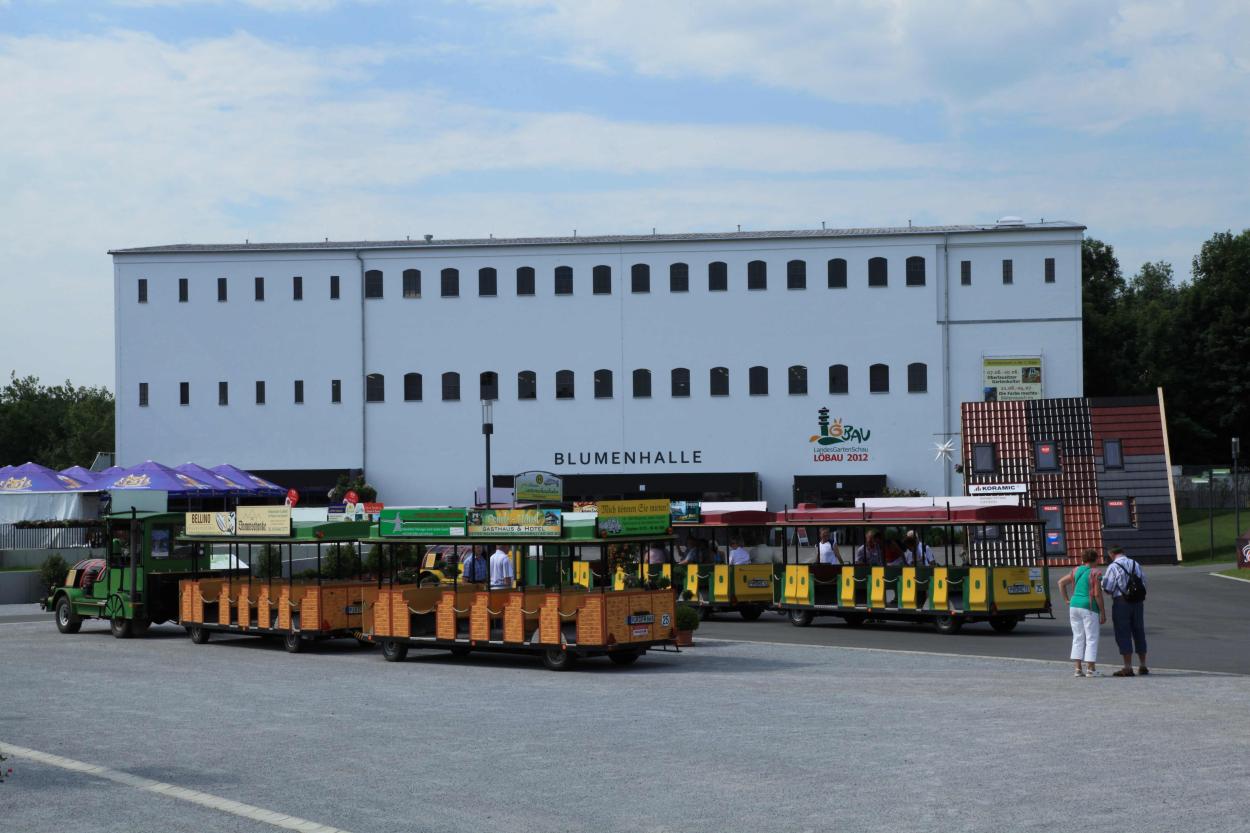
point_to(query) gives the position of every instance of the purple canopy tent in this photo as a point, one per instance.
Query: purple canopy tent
(81, 474)
(262, 486)
(32, 477)
(154, 476)
(223, 484)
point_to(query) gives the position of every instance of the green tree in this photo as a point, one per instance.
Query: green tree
(1102, 290)
(356, 484)
(57, 425)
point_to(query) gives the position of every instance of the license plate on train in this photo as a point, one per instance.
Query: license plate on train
(640, 619)
(352, 610)
(1019, 589)
(757, 582)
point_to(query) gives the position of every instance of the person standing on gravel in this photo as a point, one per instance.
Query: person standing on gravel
(1125, 582)
(1085, 613)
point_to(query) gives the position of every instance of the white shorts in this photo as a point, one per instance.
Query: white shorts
(1084, 634)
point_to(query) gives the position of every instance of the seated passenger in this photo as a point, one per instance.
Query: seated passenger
(657, 554)
(713, 554)
(690, 555)
(916, 553)
(474, 567)
(827, 552)
(738, 554)
(869, 552)
(893, 553)
(502, 572)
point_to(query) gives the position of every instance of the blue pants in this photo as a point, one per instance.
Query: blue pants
(1129, 620)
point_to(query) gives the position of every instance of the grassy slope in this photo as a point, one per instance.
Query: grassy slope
(1196, 535)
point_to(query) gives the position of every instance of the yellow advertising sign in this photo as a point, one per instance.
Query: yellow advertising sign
(634, 507)
(1012, 379)
(264, 520)
(210, 524)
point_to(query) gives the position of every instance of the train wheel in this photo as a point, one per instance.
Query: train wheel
(292, 642)
(394, 651)
(948, 624)
(800, 618)
(66, 620)
(624, 657)
(121, 628)
(750, 612)
(198, 634)
(1004, 624)
(558, 659)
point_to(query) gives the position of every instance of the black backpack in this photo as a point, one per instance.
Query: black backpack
(1134, 588)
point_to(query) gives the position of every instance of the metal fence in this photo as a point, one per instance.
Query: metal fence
(1217, 493)
(15, 537)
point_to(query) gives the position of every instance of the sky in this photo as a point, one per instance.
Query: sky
(144, 122)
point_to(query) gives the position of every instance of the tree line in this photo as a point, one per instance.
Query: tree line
(56, 425)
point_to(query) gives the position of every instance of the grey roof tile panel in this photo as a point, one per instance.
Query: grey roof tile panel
(580, 240)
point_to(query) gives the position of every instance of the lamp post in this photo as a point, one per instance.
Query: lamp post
(1236, 490)
(488, 428)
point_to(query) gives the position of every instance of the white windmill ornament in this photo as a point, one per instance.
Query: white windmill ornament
(944, 451)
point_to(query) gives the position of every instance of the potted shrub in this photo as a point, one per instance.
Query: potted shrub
(687, 623)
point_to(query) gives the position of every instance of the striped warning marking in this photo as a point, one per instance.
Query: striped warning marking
(213, 802)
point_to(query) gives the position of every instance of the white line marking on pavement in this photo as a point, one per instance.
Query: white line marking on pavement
(1230, 578)
(213, 802)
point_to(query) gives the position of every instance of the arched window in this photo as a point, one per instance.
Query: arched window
(915, 271)
(717, 276)
(601, 280)
(917, 377)
(681, 381)
(412, 283)
(373, 283)
(757, 275)
(564, 384)
(525, 280)
(375, 388)
(412, 387)
(603, 384)
(564, 280)
(718, 381)
(796, 274)
(879, 378)
(640, 278)
(451, 283)
(757, 381)
(527, 385)
(451, 387)
(878, 272)
(798, 380)
(837, 273)
(488, 385)
(642, 384)
(838, 379)
(679, 277)
(487, 282)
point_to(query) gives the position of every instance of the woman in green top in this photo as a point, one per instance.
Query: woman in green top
(1083, 593)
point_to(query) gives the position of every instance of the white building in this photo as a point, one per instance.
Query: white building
(677, 365)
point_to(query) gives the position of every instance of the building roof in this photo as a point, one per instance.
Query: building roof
(600, 239)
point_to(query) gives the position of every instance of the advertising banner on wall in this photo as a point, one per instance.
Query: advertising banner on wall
(263, 521)
(431, 523)
(1012, 378)
(516, 523)
(538, 486)
(633, 517)
(210, 524)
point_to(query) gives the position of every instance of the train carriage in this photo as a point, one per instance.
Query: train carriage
(747, 589)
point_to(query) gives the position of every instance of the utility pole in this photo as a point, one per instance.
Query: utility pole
(1211, 511)
(1236, 490)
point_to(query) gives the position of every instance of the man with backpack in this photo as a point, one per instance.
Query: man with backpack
(1125, 583)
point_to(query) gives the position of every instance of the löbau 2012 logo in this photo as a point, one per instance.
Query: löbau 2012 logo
(839, 442)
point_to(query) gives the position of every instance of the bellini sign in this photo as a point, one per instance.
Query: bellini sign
(657, 457)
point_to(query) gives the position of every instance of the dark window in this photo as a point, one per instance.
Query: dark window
(878, 272)
(564, 384)
(965, 272)
(1046, 455)
(375, 388)
(334, 287)
(837, 273)
(143, 394)
(983, 459)
(796, 274)
(679, 277)
(525, 280)
(1117, 512)
(564, 280)
(412, 283)
(183, 290)
(915, 271)
(299, 391)
(798, 380)
(487, 282)
(717, 276)
(642, 384)
(839, 381)
(451, 387)
(640, 278)
(184, 393)
(450, 280)
(757, 275)
(718, 381)
(603, 384)
(1112, 454)
(488, 385)
(373, 283)
(601, 280)
(297, 288)
(260, 289)
(527, 385)
(223, 393)
(260, 392)
(1007, 271)
(412, 387)
(1051, 511)
(680, 378)
(221, 289)
(879, 378)
(336, 390)
(917, 377)
(143, 290)
(757, 381)
(1050, 270)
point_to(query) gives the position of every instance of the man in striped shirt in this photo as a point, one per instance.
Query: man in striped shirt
(1128, 617)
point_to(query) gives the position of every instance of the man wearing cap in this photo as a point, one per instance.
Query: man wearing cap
(1127, 613)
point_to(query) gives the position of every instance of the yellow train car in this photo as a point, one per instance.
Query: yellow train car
(707, 580)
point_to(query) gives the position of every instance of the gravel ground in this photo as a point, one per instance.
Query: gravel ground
(727, 736)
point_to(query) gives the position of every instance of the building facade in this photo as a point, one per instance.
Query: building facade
(803, 365)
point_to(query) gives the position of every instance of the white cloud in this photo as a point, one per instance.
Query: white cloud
(263, 5)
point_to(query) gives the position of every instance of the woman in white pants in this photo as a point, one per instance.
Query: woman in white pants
(1085, 612)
